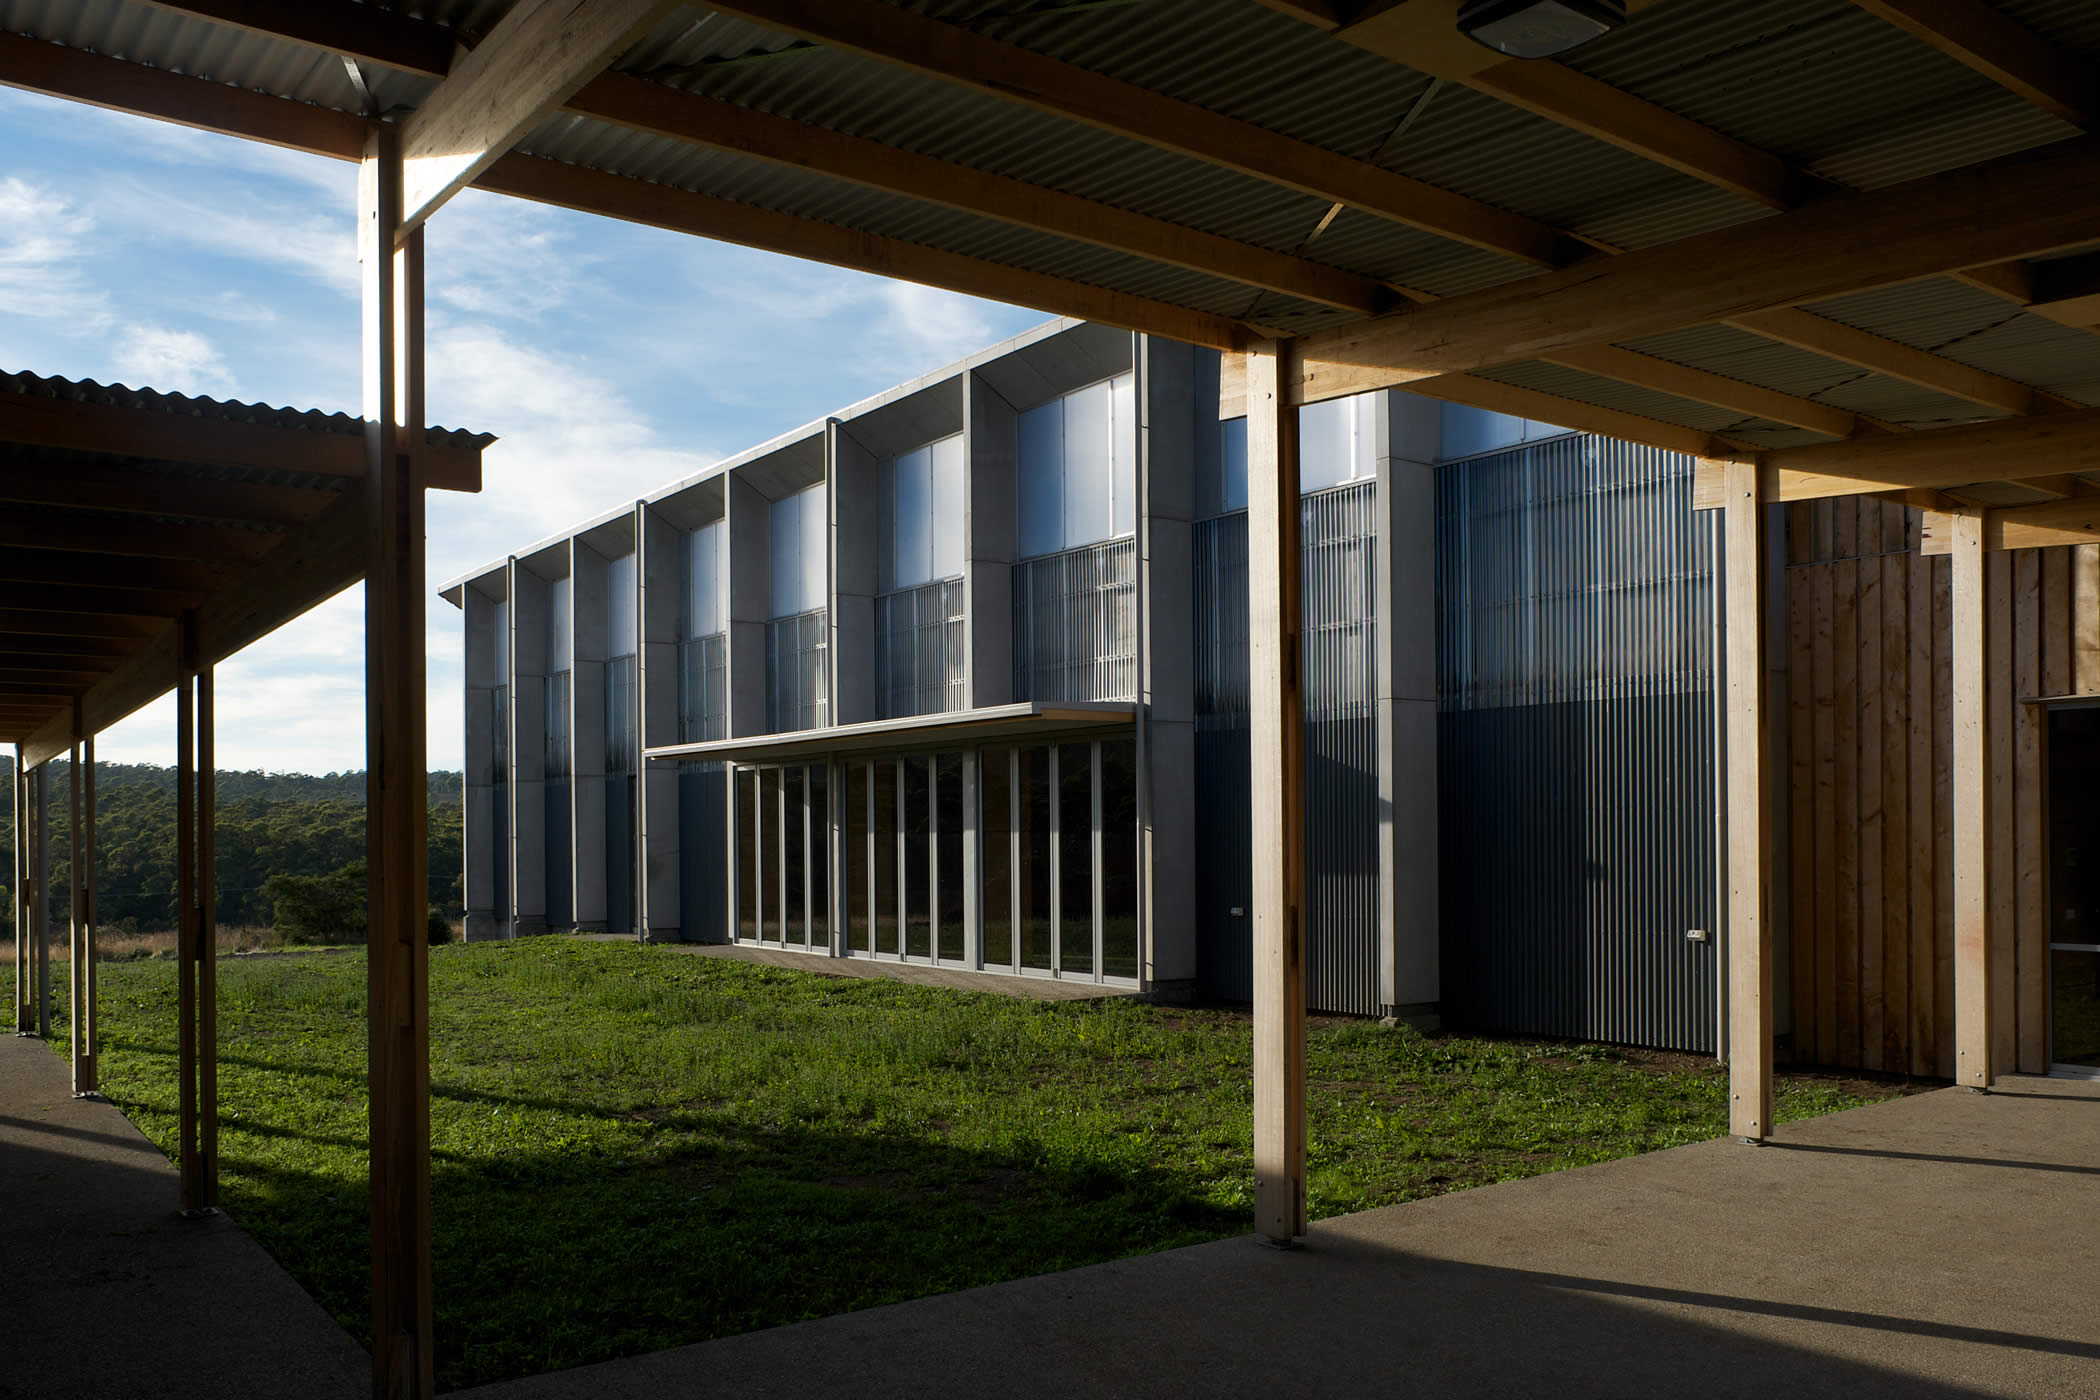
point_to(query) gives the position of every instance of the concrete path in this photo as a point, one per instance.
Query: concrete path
(1939, 1246)
(106, 1294)
(1026, 988)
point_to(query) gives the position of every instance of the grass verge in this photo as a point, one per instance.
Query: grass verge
(635, 1148)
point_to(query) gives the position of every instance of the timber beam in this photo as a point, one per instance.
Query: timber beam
(2045, 448)
(2013, 207)
(58, 481)
(539, 53)
(1993, 43)
(2038, 526)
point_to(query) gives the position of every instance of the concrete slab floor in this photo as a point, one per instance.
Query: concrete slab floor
(1027, 988)
(1939, 1246)
(107, 1294)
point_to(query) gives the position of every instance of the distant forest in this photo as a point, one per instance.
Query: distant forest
(268, 824)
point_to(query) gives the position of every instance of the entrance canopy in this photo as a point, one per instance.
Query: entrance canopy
(145, 536)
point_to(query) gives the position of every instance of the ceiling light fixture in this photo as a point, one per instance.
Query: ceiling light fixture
(1538, 28)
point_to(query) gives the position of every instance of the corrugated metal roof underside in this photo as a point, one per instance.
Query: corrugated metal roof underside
(143, 400)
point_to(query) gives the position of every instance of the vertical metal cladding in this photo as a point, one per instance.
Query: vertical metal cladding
(622, 746)
(1575, 744)
(1075, 624)
(1341, 752)
(919, 650)
(796, 652)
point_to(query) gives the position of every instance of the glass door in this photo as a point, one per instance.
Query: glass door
(2074, 890)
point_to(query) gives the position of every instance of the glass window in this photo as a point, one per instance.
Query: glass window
(795, 845)
(854, 776)
(1119, 858)
(1042, 440)
(886, 920)
(1089, 466)
(703, 581)
(749, 879)
(1123, 445)
(918, 857)
(820, 859)
(948, 856)
(1075, 858)
(1078, 468)
(1337, 442)
(561, 625)
(1035, 857)
(799, 551)
(772, 880)
(948, 517)
(620, 598)
(995, 855)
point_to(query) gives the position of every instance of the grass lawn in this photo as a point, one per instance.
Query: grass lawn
(635, 1148)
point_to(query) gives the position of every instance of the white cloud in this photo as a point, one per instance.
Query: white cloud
(313, 239)
(541, 269)
(179, 362)
(43, 238)
(941, 325)
(231, 305)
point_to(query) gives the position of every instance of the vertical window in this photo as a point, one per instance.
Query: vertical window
(1337, 442)
(1119, 858)
(922, 515)
(772, 825)
(1034, 874)
(918, 857)
(886, 917)
(794, 813)
(819, 786)
(621, 638)
(1228, 491)
(1075, 858)
(948, 855)
(995, 855)
(749, 880)
(858, 935)
(702, 598)
(799, 552)
(1078, 468)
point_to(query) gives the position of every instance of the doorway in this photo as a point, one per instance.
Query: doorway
(2074, 890)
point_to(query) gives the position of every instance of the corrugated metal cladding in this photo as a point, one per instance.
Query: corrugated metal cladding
(1575, 743)
(1341, 753)
(1075, 624)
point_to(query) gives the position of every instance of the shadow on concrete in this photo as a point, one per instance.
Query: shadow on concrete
(1947, 1158)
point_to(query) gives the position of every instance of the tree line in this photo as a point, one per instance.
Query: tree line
(289, 847)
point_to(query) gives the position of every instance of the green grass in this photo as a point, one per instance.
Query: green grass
(635, 1148)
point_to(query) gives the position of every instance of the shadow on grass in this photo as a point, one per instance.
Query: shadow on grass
(552, 1259)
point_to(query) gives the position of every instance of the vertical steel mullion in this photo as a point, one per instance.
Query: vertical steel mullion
(933, 859)
(1100, 896)
(1056, 835)
(1013, 839)
(898, 854)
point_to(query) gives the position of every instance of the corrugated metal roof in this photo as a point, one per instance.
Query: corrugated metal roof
(1610, 393)
(219, 410)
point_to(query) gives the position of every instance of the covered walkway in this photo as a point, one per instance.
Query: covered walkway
(108, 1292)
(1935, 1246)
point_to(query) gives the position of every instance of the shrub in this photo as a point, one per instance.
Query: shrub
(319, 908)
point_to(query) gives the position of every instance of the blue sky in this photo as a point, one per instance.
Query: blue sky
(610, 358)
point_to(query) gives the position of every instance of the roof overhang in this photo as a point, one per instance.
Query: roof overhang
(994, 724)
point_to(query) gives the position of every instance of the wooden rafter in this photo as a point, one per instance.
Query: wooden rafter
(539, 53)
(96, 532)
(2044, 447)
(1424, 36)
(1838, 341)
(2038, 526)
(618, 197)
(1990, 212)
(130, 602)
(19, 565)
(1704, 386)
(898, 36)
(21, 625)
(422, 47)
(73, 651)
(663, 206)
(55, 482)
(1996, 45)
(14, 658)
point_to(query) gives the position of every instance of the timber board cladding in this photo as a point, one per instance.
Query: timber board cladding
(1868, 761)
